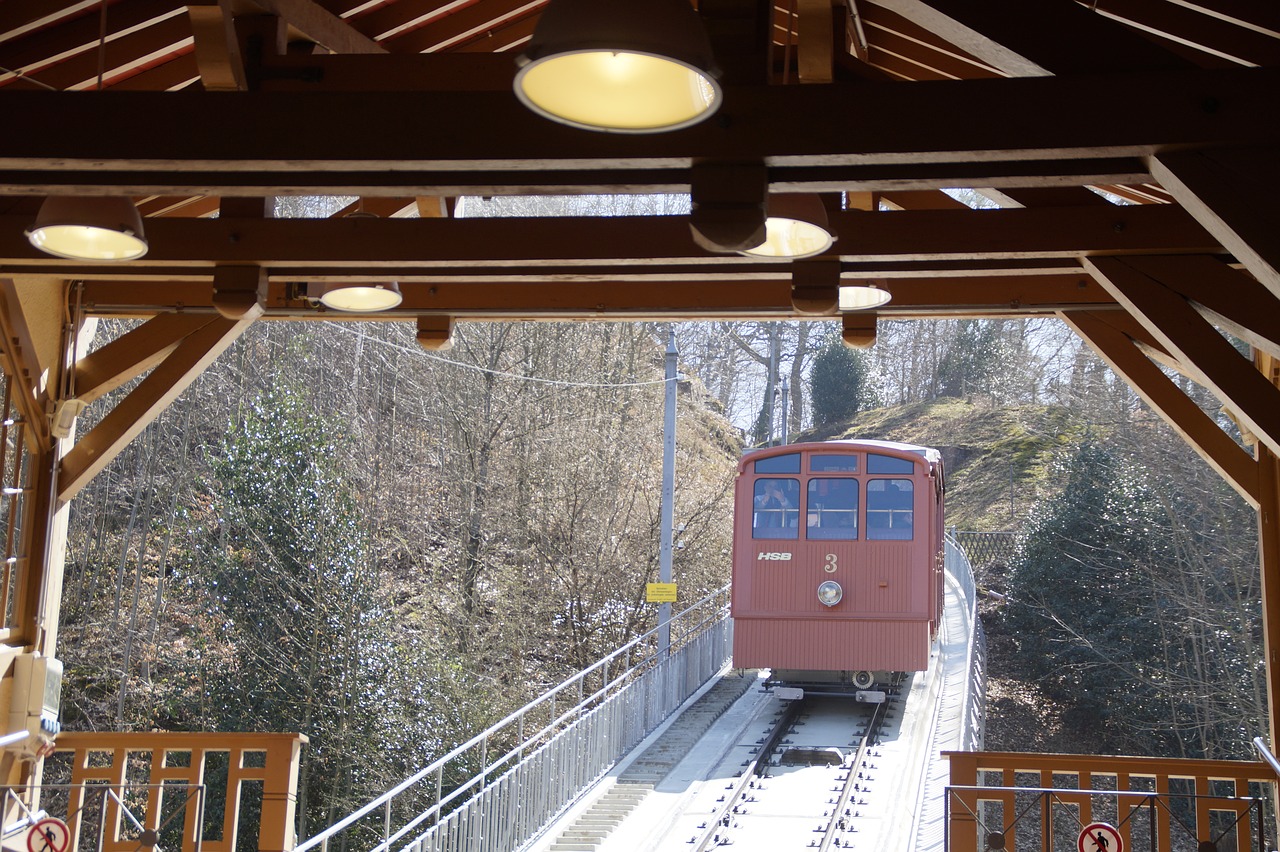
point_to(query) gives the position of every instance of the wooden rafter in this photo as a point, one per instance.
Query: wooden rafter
(1185, 25)
(1232, 193)
(1223, 454)
(316, 23)
(1027, 40)
(145, 402)
(1231, 299)
(1189, 337)
(132, 354)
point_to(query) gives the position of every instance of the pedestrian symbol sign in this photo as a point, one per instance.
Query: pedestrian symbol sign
(48, 835)
(1100, 837)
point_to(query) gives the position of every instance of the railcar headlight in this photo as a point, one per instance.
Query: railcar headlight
(830, 593)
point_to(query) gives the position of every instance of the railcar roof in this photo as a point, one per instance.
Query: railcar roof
(930, 454)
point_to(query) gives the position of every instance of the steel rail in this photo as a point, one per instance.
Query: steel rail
(833, 827)
(789, 715)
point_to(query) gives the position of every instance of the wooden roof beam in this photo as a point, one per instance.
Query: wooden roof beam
(171, 377)
(1190, 338)
(621, 297)
(1232, 300)
(1187, 26)
(317, 24)
(1131, 115)
(550, 181)
(930, 235)
(17, 19)
(1260, 17)
(1232, 192)
(815, 50)
(1197, 428)
(132, 354)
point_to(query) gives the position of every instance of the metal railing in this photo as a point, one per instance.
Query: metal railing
(531, 765)
(975, 701)
(110, 818)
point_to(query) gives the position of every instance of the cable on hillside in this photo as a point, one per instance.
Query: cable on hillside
(422, 352)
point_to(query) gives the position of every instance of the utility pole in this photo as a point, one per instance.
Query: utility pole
(667, 520)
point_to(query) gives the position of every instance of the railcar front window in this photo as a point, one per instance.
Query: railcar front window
(829, 463)
(889, 510)
(776, 509)
(832, 509)
(877, 463)
(789, 463)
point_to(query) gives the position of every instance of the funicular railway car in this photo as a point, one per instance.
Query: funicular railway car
(837, 564)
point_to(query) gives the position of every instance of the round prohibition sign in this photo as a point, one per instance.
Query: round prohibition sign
(48, 835)
(1100, 837)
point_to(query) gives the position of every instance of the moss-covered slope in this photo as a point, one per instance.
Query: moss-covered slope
(997, 459)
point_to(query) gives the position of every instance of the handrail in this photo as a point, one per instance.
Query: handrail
(481, 738)
(1260, 746)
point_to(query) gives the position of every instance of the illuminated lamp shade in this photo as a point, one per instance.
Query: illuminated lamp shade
(89, 228)
(796, 227)
(862, 298)
(361, 298)
(623, 66)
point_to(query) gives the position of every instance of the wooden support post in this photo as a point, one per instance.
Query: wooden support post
(1269, 559)
(962, 832)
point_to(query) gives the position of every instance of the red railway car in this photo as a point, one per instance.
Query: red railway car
(837, 563)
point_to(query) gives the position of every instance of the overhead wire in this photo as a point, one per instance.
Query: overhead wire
(503, 373)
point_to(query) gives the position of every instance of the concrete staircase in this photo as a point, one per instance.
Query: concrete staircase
(635, 782)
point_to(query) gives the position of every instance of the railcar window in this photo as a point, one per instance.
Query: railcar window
(832, 509)
(790, 463)
(776, 509)
(889, 510)
(824, 462)
(877, 463)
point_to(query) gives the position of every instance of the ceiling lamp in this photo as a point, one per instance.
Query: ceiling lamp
(89, 228)
(796, 227)
(625, 66)
(361, 298)
(862, 298)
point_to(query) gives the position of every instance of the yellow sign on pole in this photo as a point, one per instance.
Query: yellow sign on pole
(660, 592)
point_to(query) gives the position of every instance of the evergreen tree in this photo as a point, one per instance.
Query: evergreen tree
(839, 384)
(300, 600)
(1102, 620)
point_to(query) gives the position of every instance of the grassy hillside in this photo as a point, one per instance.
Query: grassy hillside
(997, 459)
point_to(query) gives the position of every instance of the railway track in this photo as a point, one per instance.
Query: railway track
(805, 785)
